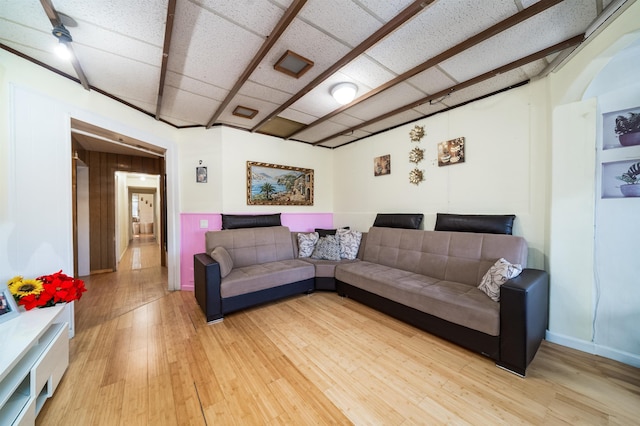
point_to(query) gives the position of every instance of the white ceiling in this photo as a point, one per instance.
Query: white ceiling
(119, 46)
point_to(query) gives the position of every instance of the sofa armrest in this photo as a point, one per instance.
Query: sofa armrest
(524, 313)
(206, 277)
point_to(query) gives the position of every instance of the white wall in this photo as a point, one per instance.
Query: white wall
(225, 152)
(505, 171)
(594, 269)
(201, 148)
(36, 106)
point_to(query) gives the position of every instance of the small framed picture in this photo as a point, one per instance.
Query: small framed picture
(382, 165)
(201, 174)
(8, 306)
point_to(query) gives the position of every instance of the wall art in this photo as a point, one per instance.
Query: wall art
(621, 128)
(201, 174)
(451, 152)
(416, 155)
(416, 133)
(273, 184)
(416, 176)
(382, 165)
(8, 306)
(621, 179)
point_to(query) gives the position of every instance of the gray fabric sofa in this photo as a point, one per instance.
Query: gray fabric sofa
(430, 279)
(426, 278)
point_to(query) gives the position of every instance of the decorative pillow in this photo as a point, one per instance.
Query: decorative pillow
(498, 274)
(221, 255)
(349, 243)
(327, 248)
(306, 243)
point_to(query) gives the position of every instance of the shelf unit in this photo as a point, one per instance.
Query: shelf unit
(33, 360)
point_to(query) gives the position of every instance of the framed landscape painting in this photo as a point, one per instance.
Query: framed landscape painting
(273, 184)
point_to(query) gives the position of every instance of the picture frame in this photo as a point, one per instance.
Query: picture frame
(613, 185)
(621, 128)
(382, 165)
(451, 152)
(201, 174)
(8, 305)
(274, 184)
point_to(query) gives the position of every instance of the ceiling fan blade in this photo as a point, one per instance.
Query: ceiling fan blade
(51, 12)
(54, 17)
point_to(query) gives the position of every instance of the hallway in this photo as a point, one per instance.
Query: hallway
(139, 280)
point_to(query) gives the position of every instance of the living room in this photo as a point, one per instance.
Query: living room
(532, 151)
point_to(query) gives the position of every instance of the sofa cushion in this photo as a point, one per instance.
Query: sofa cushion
(501, 272)
(250, 246)
(399, 220)
(327, 248)
(306, 243)
(452, 301)
(349, 243)
(326, 268)
(489, 224)
(221, 255)
(256, 277)
(234, 221)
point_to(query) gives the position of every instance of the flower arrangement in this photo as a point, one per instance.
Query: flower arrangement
(46, 290)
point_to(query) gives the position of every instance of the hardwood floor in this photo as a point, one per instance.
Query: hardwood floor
(317, 359)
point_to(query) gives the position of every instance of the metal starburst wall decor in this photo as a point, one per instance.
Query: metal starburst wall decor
(416, 133)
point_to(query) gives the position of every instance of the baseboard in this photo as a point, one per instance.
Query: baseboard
(594, 348)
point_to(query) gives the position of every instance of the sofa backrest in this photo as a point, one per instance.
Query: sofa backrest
(251, 246)
(453, 256)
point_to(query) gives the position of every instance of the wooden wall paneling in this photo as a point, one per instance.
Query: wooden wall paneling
(94, 211)
(112, 162)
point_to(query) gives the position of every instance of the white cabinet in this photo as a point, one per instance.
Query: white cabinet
(33, 358)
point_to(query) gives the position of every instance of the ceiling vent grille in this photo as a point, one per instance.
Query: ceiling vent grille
(293, 64)
(280, 127)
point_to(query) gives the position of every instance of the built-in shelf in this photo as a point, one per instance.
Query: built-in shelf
(32, 363)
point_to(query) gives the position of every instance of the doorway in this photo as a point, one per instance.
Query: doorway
(109, 162)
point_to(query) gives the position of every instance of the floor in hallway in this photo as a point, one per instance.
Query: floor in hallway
(139, 280)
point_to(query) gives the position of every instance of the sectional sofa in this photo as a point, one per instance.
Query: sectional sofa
(426, 278)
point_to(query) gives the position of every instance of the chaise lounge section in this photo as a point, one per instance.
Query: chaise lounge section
(430, 279)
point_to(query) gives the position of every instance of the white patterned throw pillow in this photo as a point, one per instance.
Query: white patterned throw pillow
(349, 243)
(498, 274)
(328, 248)
(306, 243)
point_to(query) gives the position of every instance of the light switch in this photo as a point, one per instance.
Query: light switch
(204, 224)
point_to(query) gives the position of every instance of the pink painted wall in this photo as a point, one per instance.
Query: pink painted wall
(192, 235)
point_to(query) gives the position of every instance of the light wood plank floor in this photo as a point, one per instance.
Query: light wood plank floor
(318, 359)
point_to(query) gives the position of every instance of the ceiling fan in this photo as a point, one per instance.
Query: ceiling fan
(60, 31)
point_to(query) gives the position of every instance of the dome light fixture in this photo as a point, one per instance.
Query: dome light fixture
(344, 93)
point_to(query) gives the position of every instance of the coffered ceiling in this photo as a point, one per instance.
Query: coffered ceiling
(193, 62)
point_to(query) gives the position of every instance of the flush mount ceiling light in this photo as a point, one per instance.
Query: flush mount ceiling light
(244, 112)
(293, 64)
(344, 93)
